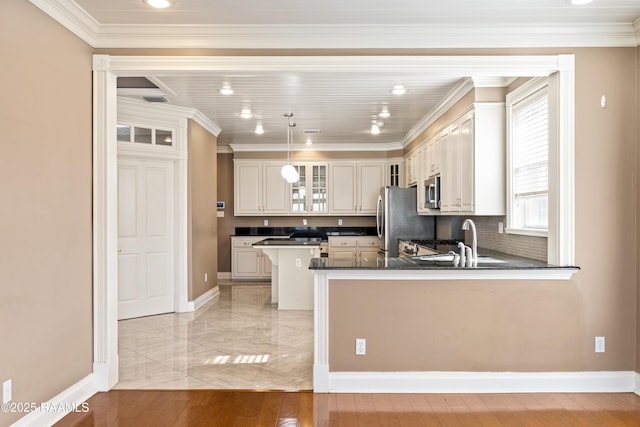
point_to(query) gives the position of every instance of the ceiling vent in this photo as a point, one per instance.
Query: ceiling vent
(311, 131)
(155, 99)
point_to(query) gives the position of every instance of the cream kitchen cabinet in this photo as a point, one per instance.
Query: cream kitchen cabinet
(309, 194)
(473, 171)
(248, 262)
(410, 163)
(354, 246)
(259, 189)
(355, 187)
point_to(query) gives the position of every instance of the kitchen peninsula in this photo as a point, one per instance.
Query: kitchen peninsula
(423, 322)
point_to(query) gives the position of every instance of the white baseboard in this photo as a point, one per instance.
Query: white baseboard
(203, 299)
(479, 382)
(224, 275)
(70, 400)
(636, 380)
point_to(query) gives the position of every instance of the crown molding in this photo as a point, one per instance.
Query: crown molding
(106, 36)
(389, 146)
(461, 89)
(365, 36)
(166, 113)
(72, 17)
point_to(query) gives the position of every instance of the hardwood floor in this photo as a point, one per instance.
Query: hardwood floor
(276, 408)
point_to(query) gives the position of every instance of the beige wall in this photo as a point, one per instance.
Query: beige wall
(202, 222)
(45, 218)
(514, 325)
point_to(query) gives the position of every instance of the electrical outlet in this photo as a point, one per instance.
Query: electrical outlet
(298, 262)
(501, 227)
(6, 391)
(339, 221)
(205, 277)
(304, 221)
(599, 344)
(361, 346)
(266, 222)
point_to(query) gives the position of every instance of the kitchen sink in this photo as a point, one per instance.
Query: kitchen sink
(449, 258)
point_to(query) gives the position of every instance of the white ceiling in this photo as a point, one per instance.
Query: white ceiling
(341, 104)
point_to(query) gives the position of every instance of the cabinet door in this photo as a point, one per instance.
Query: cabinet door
(275, 190)
(247, 189)
(318, 190)
(370, 180)
(343, 189)
(466, 166)
(367, 253)
(246, 263)
(448, 183)
(266, 266)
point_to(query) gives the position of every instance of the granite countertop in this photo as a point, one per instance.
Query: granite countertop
(306, 232)
(290, 242)
(504, 262)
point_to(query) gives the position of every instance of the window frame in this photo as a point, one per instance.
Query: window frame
(528, 89)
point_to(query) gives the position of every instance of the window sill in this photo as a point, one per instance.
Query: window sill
(527, 232)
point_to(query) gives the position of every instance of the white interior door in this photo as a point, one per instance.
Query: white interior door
(146, 277)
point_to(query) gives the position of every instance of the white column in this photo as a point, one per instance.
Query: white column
(105, 226)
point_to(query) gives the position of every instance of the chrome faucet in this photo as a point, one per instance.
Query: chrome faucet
(474, 242)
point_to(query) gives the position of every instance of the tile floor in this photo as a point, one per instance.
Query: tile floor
(237, 341)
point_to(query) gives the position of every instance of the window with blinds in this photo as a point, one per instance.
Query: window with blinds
(529, 161)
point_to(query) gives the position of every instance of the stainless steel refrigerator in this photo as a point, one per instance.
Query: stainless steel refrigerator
(397, 218)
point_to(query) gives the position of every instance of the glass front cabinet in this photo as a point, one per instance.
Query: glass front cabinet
(309, 194)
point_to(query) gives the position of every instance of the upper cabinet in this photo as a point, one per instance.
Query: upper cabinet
(470, 157)
(355, 187)
(331, 188)
(259, 189)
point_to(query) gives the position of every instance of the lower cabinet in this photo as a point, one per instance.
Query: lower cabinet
(353, 246)
(248, 262)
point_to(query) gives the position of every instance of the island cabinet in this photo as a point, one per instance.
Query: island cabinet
(354, 246)
(355, 187)
(248, 262)
(259, 189)
(473, 162)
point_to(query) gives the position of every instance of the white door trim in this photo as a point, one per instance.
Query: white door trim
(105, 70)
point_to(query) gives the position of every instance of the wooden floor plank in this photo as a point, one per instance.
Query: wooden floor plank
(195, 408)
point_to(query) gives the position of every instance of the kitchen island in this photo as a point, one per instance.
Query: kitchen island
(291, 280)
(425, 321)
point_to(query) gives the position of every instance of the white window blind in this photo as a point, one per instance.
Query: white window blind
(529, 168)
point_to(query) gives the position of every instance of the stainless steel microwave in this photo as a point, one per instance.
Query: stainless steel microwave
(432, 192)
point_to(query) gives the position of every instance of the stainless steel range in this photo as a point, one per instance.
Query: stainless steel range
(421, 247)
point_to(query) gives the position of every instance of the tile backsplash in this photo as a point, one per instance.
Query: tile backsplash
(515, 244)
(489, 238)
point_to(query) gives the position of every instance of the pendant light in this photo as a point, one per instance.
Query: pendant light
(288, 172)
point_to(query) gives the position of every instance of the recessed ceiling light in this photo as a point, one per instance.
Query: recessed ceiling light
(375, 129)
(259, 129)
(158, 4)
(399, 90)
(246, 113)
(579, 2)
(384, 113)
(226, 89)
(309, 141)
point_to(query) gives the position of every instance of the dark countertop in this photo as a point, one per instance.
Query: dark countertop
(302, 232)
(510, 262)
(293, 241)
